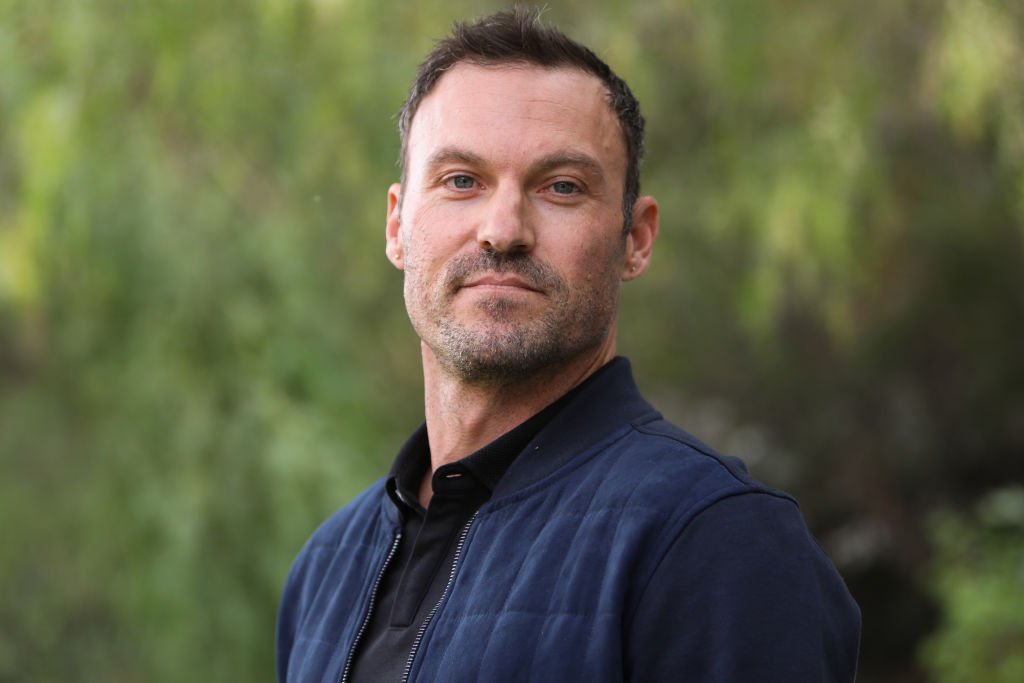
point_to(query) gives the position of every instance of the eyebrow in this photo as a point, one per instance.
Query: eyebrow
(579, 160)
(454, 155)
(457, 155)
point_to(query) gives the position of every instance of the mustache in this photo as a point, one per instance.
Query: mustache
(536, 274)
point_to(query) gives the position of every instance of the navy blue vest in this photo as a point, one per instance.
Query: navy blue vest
(551, 581)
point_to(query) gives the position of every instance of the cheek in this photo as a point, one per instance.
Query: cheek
(431, 235)
(422, 260)
(598, 262)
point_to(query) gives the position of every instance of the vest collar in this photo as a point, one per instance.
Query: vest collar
(608, 404)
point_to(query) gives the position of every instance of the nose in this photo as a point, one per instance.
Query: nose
(505, 227)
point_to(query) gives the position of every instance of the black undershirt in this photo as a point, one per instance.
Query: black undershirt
(415, 579)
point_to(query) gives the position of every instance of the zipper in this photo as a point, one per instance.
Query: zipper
(444, 595)
(369, 608)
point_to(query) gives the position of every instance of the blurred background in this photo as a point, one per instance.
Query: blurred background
(203, 350)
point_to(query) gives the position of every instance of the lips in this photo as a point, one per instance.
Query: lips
(514, 272)
(499, 280)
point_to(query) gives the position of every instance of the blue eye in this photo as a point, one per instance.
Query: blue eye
(564, 187)
(462, 182)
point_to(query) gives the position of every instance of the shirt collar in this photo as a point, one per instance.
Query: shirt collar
(488, 464)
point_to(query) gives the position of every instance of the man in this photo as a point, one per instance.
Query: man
(545, 523)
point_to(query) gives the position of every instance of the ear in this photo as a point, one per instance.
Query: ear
(392, 229)
(640, 239)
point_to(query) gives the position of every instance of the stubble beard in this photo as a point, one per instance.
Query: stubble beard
(508, 345)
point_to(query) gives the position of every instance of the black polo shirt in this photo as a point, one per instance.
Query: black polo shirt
(416, 577)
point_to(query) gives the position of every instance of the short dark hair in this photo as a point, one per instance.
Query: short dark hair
(517, 36)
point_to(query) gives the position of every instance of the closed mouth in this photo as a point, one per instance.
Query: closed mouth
(498, 282)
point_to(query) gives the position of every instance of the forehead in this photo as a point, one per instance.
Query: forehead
(516, 112)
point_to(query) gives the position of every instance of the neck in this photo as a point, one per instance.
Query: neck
(463, 417)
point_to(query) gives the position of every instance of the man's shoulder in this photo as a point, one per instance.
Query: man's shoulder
(658, 454)
(648, 469)
(355, 517)
(611, 440)
(358, 527)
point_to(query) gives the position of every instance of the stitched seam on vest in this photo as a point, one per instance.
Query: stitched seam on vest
(540, 537)
(684, 519)
(695, 446)
(320, 641)
(476, 614)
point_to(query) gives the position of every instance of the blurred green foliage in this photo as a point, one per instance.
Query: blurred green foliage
(978, 576)
(203, 351)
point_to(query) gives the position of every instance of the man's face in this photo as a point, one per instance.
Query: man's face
(509, 224)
